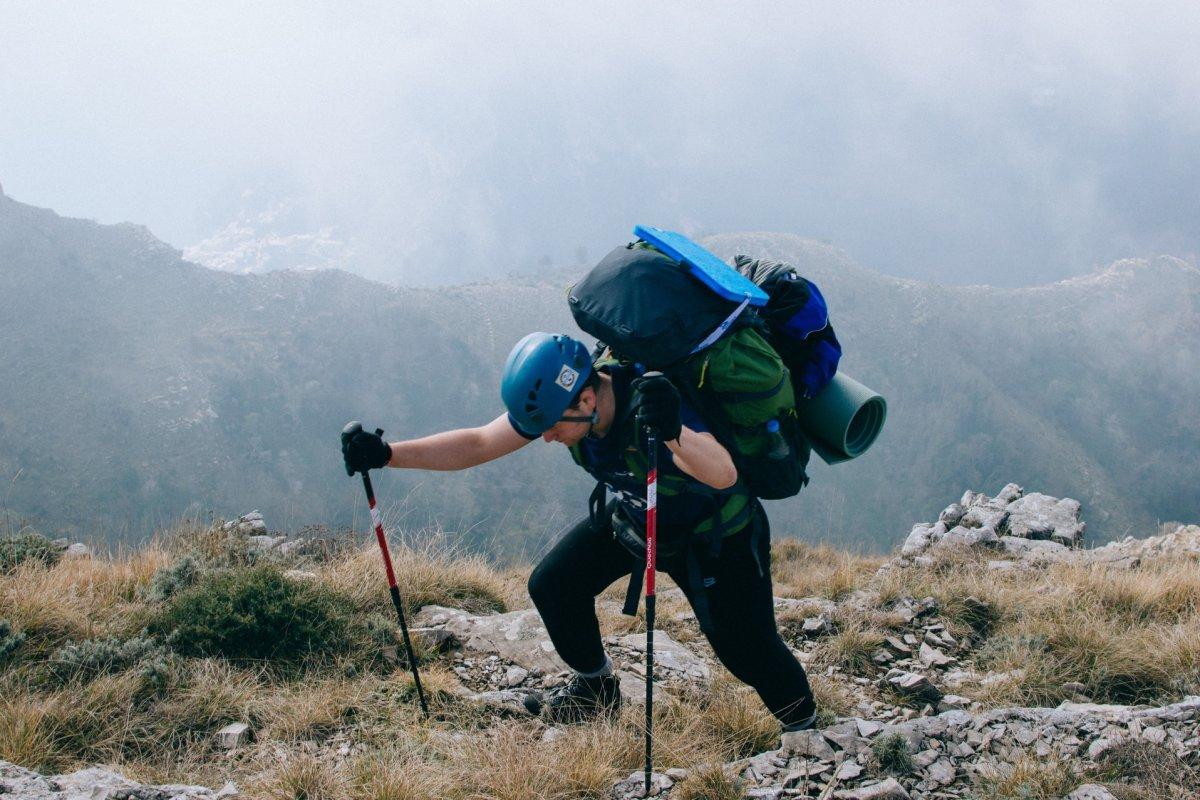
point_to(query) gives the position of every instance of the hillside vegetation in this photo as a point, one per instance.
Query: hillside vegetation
(138, 658)
(154, 388)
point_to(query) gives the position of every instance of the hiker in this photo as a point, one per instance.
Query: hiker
(714, 537)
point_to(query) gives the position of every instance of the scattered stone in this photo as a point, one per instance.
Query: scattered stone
(932, 657)
(810, 744)
(232, 736)
(515, 676)
(77, 550)
(1091, 791)
(889, 789)
(96, 783)
(914, 686)
(300, 575)
(635, 785)
(820, 625)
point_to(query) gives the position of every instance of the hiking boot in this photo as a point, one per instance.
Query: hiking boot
(579, 701)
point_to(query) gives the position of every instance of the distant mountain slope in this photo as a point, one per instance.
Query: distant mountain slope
(136, 385)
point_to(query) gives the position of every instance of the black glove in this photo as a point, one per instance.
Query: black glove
(363, 451)
(656, 404)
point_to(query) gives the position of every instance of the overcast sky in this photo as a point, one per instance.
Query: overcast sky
(1005, 143)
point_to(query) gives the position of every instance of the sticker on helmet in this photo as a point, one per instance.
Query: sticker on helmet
(567, 377)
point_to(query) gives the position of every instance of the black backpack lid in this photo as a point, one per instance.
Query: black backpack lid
(646, 306)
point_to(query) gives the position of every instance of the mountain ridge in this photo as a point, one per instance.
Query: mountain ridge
(212, 390)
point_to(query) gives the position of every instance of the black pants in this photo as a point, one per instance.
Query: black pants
(587, 560)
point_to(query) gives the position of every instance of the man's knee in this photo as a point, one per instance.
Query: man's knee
(545, 583)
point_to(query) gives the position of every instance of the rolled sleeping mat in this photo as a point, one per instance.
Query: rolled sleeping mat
(843, 420)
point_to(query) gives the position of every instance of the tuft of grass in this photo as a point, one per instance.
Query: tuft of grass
(302, 777)
(731, 718)
(26, 737)
(1155, 771)
(891, 752)
(1029, 779)
(429, 575)
(708, 782)
(799, 569)
(851, 647)
(397, 774)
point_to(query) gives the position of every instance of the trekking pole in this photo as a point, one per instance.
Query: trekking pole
(391, 574)
(651, 559)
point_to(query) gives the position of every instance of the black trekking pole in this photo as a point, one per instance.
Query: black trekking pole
(377, 520)
(651, 562)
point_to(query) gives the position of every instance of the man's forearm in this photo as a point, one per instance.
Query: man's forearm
(449, 450)
(704, 458)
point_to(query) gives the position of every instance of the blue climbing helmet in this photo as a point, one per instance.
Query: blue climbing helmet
(541, 377)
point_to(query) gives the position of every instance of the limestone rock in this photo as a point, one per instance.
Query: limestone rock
(889, 789)
(1039, 516)
(912, 685)
(518, 636)
(1091, 791)
(232, 736)
(96, 783)
(635, 786)
(810, 744)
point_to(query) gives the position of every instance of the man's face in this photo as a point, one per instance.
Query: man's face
(570, 433)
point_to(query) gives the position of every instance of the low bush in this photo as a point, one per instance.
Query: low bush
(16, 550)
(10, 640)
(254, 613)
(91, 657)
(171, 579)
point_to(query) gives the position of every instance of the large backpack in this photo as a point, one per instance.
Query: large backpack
(741, 368)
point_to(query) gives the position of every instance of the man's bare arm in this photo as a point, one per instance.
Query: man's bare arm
(459, 449)
(704, 458)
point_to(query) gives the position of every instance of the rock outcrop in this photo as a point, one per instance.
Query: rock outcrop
(96, 784)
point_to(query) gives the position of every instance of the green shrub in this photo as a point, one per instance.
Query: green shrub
(93, 657)
(169, 580)
(10, 640)
(254, 612)
(891, 751)
(16, 550)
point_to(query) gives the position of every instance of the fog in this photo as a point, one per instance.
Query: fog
(1007, 144)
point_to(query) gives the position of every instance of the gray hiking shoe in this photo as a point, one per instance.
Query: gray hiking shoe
(581, 700)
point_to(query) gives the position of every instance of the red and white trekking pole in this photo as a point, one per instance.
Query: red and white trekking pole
(651, 562)
(377, 521)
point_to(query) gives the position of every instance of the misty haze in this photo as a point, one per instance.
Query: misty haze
(235, 241)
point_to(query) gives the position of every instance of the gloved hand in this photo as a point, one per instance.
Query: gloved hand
(656, 404)
(363, 451)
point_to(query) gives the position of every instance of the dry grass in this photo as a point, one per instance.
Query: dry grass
(397, 774)
(1139, 770)
(800, 570)
(300, 776)
(430, 576)
(1030, 779)
(78, 598)
(1126, 635)
(708, 782)
(850, 648)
